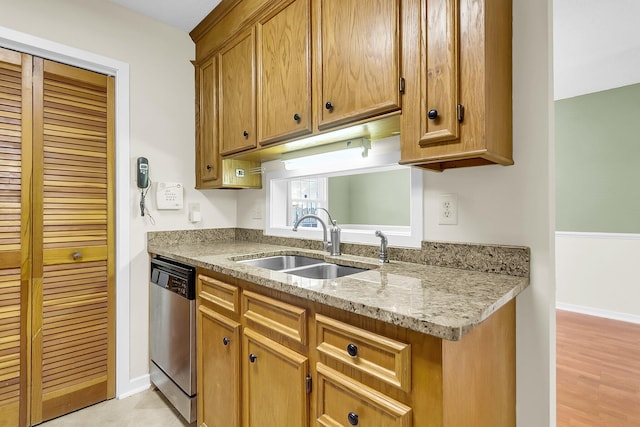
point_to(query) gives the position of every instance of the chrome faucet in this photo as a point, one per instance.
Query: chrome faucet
(384, 255)
(332, 247)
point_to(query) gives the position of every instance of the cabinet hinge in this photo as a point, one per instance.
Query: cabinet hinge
(308, 383)
(401, 84)
(460, 112)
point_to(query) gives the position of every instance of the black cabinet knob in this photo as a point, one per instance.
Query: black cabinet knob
(209, 167)
(328, 106)
(352, 349)
(296, 117)
(225, 341)
(252, 358)
(432, 114)
(353, 418)
(245, 133)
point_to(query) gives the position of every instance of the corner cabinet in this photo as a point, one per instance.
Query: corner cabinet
(269, 358)
(211, 170)
(457, 105)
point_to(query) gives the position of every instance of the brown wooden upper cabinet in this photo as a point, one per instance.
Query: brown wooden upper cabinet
(284, 69)
(284, 73)
(457, 66)
(208, 160)
(236, 91)
(357, 59)
(211, 170)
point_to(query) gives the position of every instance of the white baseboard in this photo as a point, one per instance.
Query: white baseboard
(136, 385)
(624, 317)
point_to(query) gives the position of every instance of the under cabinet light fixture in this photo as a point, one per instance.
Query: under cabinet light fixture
(338, 152)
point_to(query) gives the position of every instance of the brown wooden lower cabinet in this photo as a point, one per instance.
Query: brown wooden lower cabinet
(219, 345)
(301, 363)
(274, 383)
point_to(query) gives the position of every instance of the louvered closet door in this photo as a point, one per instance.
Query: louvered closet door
(15, 150)
(74, 257)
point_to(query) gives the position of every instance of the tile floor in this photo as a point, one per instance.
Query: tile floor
(148, 408)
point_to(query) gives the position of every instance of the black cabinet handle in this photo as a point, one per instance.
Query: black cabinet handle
(353, 418)
(225, 341)
(246, 134)
(209, 167)
(328, 106)
(432, 114)
(352, 349)
(252, 358)
(296, 117)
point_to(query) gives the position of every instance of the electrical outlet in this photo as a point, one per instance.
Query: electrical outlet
(448, 214)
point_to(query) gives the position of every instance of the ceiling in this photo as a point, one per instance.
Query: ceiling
(182, 14)
(596, 45)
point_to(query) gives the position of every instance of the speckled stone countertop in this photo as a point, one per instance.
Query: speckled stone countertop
(440, 301)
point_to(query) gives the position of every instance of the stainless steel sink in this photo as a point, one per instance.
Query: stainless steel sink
(326, 271)
(282, 262)
(303, 266)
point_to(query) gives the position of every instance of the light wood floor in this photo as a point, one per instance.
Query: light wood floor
(148, 408)
(598, 371)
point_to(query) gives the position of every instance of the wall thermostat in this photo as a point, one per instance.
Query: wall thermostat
(169, 195)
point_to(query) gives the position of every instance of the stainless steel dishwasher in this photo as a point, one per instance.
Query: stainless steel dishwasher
(172, 334)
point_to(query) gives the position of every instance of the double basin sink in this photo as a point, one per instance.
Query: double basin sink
(303, 266)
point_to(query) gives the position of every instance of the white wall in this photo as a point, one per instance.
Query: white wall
(596, 45)
(161, 127)
(597, 274)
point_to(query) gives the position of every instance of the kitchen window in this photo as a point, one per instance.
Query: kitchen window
(305, 196)
(375, 194)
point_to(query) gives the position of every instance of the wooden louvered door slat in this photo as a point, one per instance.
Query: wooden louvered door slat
(73, 263)
(15, 273)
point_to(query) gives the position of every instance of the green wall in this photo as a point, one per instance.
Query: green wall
(379, 198)
(598, 161)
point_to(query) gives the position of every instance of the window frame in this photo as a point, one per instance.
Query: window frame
(400, 236)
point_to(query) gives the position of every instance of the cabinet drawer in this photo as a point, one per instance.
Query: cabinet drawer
(268, 314)
(381, 357)
(343, 401)
(220, 294)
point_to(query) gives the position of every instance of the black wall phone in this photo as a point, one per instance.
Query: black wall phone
(142, 180)
(143, 172)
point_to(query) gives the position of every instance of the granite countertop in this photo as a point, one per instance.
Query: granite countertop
(440, 301)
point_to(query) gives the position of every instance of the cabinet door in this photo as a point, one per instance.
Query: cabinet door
(207, 147)
(357, 59)
(15, 191)
(218, 345)
(440, 111)
(73, 240)
(236, 93)
(284, 70)
(274, 383)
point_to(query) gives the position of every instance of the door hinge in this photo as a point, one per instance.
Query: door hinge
(401, 84)
(460, 112)
(308, 383)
